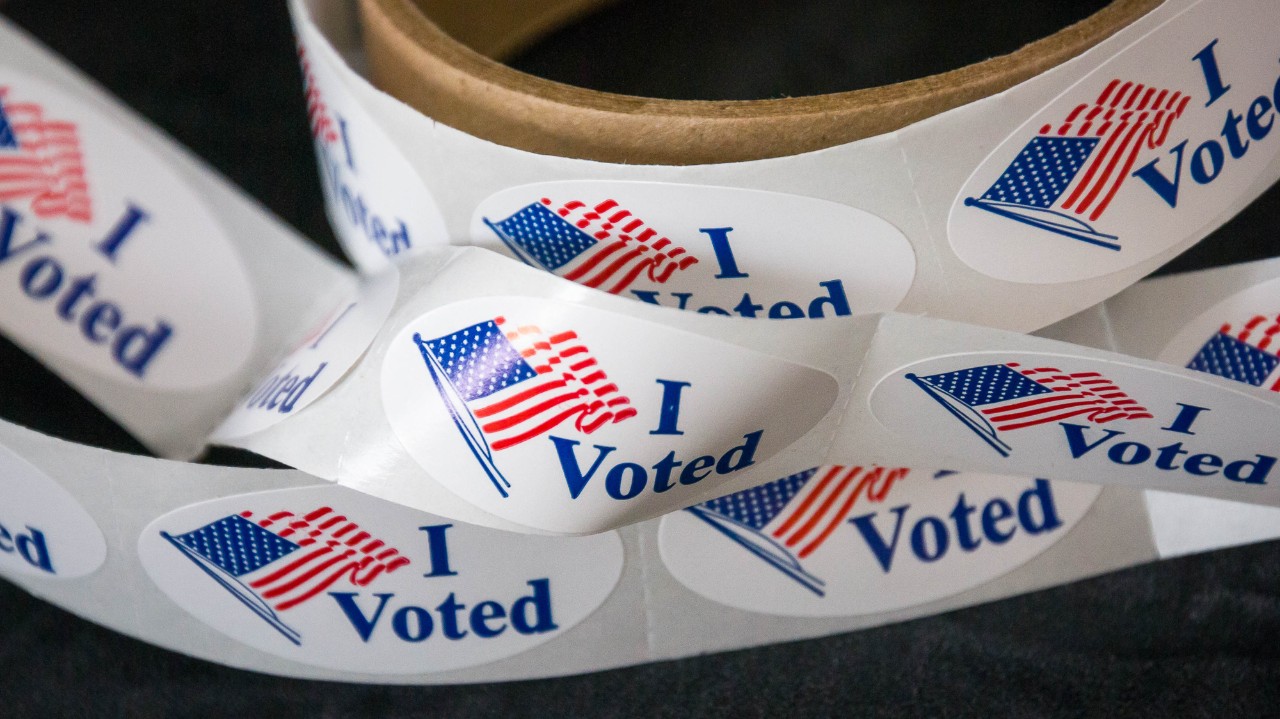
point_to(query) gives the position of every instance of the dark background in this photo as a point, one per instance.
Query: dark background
(1189, 637)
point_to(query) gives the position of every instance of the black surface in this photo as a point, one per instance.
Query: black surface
(1190, 637)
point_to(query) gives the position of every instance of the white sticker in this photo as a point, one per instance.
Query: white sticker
(1143, 152)
(837, 541)
(376, 203)
(1079, 417)
(44, 532)
(107, 258)
(319, 360)
(1238, 339)
(716, 250)
(571, 419)
(333, 578)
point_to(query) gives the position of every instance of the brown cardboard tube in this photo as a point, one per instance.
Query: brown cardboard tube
(437, 56)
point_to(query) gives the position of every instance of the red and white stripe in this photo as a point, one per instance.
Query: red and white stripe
(627, 247)
(570, 385)
(323, 127)
(1076, 394)
(826, 501)
(333, 548)
(47, 167)
(1263, 332)
(1127, 117)
(1260, 331)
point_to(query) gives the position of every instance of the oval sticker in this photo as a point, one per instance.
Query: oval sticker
(1237, 339)
(571, 419)
(378, 206)
(107, 258)
(838, 541)
(1139, 156)
(319, 360)
(334, 578)
(1082, 418)
(716, 250)
(44, 532)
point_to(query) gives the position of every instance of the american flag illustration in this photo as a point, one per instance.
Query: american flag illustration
(1079, 165)
(1248, 352)
(603, 246)
(507, 383)
(323, 127)
(277, 562)
(40, 160)
(785, 521)
(996, 398)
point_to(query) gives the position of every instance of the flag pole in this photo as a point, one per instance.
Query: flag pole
(978, 425)
(1084, 233)
(792, 568)
(478, 446)
(238, 590)
(511, 245)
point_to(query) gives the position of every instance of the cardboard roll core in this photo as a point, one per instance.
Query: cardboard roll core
(442, 57)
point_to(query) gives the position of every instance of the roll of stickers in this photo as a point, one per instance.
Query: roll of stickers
(436, 403)
(575, 413)
(1010, 194)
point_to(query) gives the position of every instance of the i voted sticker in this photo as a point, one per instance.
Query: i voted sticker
(571, 419)
(333, 578)
(715, 250)
(1237, 339)
(1141, 153)
(107, 258)
(319, 360)
(376, 202)
(838, 541)
(1084, 417)
(44, 532)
